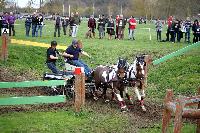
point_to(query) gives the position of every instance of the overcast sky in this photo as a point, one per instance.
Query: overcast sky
(23, 3)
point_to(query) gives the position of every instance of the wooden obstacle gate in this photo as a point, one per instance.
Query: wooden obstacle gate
(178, 107)
(79, 92)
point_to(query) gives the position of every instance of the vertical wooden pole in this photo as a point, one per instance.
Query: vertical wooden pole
(4, 49)
(198, 120)
(79, 91)
(147, 61)
(166, 113)
(178, 115)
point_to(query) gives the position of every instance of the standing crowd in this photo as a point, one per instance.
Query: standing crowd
(114, 27)
(178, 29)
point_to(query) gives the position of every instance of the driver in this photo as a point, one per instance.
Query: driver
(72, 56)
(52, 56)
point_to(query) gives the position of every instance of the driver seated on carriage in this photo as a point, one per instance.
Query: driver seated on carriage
(71, 56)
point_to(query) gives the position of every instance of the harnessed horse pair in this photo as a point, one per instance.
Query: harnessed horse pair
(121, 76)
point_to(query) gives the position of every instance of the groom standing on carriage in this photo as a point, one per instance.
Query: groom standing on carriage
(72, 56)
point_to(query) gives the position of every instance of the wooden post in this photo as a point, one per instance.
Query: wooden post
(79, 90)
(178, 115)
(148, 61)
(167, 113)
(4, 49)
(198, 120)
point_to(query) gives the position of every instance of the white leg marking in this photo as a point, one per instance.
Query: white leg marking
(119, 97)
(143, 93)
(137, 93)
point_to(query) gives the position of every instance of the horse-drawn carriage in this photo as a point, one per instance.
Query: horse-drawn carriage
(68, 75)
(116, 77)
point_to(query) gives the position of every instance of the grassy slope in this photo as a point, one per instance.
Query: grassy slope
(181, 73)
(64, 121)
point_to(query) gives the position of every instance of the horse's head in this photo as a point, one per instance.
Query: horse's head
(140, 67)
(122, 67)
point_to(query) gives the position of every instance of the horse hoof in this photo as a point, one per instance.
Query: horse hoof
(106, 101)
(144, 109)
(95, 98)
(124, 109)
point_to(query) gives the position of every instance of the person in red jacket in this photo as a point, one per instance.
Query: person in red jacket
(92, 25)
(169, 24)
(132, 26)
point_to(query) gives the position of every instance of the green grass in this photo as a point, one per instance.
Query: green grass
(181, 73)
(186, 128)
(63, 121)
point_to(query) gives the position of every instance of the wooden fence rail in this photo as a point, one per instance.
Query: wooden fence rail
(177, 107)
(79, 92)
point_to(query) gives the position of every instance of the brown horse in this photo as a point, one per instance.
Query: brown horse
(136, 77)
(112, 77)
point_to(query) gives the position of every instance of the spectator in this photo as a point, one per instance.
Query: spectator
(196, 31)
(121, 26)
(105, 20)
(187, 26)
(34, 24)
(11, 22)
(71, 23)
(72, 56)
(5, 20)
(132, 26)
(1, 17)
(177, 29)
(110, 28)
(92, 24)
(172, 32)
(117, 19)
(28, 25)
(40, 24)
(169, 27)
(65, 23)
(57, 25)
(100, 27)
(159, 29)
(52, 56)
(77, 22)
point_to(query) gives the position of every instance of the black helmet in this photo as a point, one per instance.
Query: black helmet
(53, 43)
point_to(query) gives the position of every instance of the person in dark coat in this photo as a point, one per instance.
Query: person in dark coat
(100, 27)
(92, 25)
(111, 28)
(121, 26)
(52, 56)
(57, 25)
(71, 23)
(28, 25)
(34, 24)
(72, 53)
(65, 23)
(40, 24)
(196, 31)
(177, 29)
